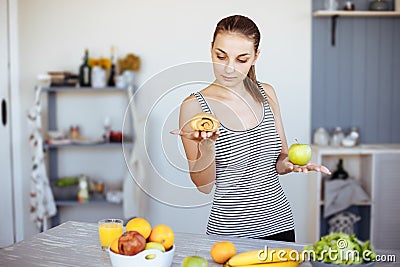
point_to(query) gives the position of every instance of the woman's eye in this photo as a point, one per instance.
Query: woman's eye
(221, 57)
(242, 60)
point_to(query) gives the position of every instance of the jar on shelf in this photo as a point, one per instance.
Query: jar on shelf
(74, 132)
(355, 135)
(349, 6)
(321, 137)
(99, 77)
(331, 5)
(337, 137)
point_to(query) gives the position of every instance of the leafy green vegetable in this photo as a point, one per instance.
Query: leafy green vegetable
(340, 248)
(67, 181)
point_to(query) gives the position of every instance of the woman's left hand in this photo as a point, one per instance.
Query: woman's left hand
(305, 168)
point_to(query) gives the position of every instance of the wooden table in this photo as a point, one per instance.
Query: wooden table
(77, 244)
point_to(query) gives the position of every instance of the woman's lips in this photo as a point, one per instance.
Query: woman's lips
(228, 78)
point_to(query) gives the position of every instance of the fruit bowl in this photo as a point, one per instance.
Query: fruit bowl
(324, 264)
(146, 258)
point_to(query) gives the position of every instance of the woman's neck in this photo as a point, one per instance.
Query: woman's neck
(238, 90)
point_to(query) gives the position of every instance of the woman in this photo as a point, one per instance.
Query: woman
(245, 155)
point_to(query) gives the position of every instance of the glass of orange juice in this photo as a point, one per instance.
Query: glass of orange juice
(109, 229)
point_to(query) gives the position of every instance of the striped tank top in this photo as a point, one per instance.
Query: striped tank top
(249, 200)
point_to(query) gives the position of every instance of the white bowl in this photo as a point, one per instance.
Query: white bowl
(146, 258)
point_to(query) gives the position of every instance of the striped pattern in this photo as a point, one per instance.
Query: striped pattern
(249, 200)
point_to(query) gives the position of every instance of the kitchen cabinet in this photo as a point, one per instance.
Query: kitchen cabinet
(104, 161)
(376, 168)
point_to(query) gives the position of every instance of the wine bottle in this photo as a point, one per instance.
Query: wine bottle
(340, 172)
(85, 71)
(111, 79)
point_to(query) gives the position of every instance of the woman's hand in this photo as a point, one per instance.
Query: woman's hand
(290, 167)
(197, 135)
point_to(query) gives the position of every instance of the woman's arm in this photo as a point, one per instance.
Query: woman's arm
(283, 165)
(199, 147)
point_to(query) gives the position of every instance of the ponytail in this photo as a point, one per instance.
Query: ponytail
(251, 84)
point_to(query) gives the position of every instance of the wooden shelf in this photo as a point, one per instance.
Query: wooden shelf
(53, 146)
(66, 203)
(88, 89)
(333, 15)
(327, 13)
(364, 203)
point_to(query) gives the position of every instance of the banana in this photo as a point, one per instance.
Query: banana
(267, 255)
(273, 264)
(204, 121)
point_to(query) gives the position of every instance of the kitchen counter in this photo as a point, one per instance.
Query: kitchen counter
(77, 244)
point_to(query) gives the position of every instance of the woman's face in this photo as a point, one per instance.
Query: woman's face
(232, 56)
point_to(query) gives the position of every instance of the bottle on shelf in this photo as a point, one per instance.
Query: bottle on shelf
(83, 193)
(340, 172)
(111, 78)
(106, 129)
(337, 137)
(85, 71)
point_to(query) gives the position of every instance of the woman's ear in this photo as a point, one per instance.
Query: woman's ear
(256, 56)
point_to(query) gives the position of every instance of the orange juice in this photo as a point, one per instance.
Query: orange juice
(109, 229)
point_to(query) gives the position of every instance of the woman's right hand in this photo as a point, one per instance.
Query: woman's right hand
(197, 135)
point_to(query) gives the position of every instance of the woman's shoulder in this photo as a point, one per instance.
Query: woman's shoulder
(269, 91)
(205, 92)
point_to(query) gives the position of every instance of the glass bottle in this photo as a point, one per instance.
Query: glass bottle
(337, 137)
(340, 172)
(331, 5)
(111, 78)
(83, 193)
(85, 71)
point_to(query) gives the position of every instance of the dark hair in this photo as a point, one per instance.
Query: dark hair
(245, 26)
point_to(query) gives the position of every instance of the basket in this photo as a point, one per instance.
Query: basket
(146, 258)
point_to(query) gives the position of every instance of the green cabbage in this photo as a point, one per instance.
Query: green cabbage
(341, 249)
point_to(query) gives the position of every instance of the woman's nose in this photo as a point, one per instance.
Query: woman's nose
(229, 68)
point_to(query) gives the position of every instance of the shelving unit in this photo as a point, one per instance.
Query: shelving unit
(335, 14)
(54, 150)
(376, 168)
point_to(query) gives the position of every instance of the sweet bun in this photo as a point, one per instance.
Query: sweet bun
(204, 122)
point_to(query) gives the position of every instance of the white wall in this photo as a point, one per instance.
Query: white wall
(54, 33)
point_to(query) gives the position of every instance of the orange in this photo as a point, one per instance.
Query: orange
(162, 234)
(114, 245)
(222, 251)
(140, 225)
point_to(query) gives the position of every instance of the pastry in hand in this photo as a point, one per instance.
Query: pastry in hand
(204, 122)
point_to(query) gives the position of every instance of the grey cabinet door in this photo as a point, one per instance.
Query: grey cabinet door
(386, 208)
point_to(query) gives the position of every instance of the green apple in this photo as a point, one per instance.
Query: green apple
(194, 261)
(155, 245)
(300, 154)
